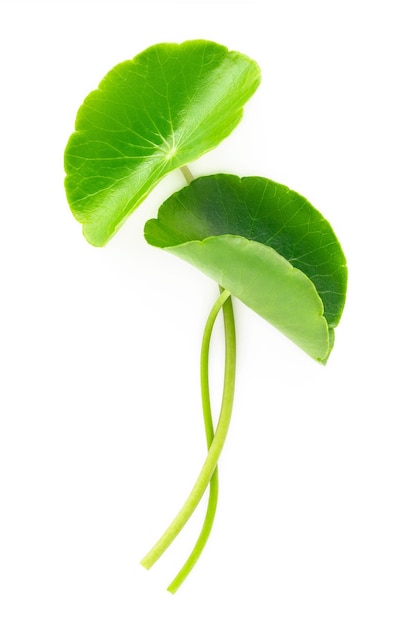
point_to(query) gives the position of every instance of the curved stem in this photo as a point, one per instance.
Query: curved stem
(203, 537)
(208, 425)
(186, 172)
(216, 446)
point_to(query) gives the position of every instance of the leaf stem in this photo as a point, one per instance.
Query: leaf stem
(186, 172)
(216, 446)
(208, 425)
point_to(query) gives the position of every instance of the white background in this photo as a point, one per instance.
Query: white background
(101, 428)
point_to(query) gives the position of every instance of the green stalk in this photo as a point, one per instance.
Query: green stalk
(208, 425)
(186, 172)
(215, 449)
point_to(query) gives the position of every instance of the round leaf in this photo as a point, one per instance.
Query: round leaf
(265, 244)
(150, 115)
(264, 211)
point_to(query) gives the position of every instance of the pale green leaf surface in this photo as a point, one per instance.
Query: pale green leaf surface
(150, 115)
(264, 281)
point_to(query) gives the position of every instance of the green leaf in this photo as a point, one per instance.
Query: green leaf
(265, 282)
(150, 115)
(266, 245)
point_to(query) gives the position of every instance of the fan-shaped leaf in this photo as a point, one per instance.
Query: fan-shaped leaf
(267, 283)
(150, 115)
(265, 244)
